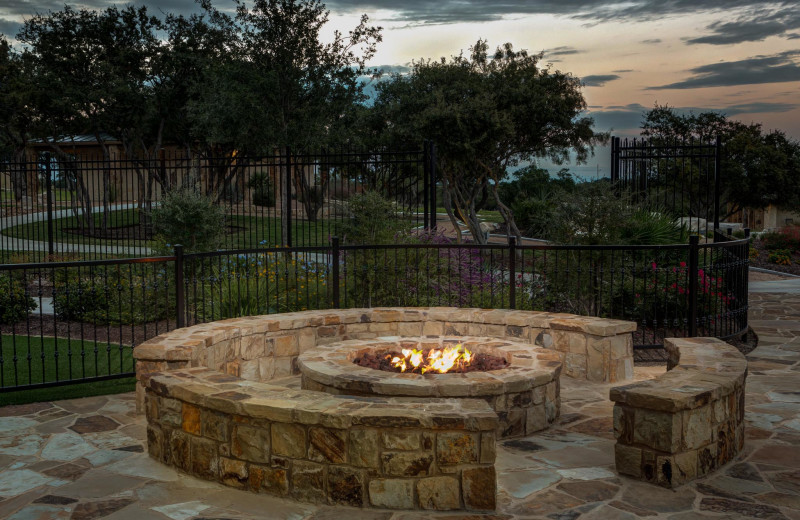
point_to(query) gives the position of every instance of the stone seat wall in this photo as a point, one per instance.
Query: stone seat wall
(212, 413)
(687, 422)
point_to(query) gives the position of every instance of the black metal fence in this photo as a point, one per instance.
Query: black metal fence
(66, 322)
(85, 207)
(678, 177)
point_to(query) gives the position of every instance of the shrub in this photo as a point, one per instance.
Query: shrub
(262, 283)
(15, 302)
(263, 190)
(786, 238)
(373, 220)
(189, 218)
(780, 257)
(113, 295)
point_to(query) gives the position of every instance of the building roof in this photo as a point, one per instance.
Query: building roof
(77, 139)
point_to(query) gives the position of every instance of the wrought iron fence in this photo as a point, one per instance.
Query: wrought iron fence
(85, 207)
(679, 177)
(66, 322)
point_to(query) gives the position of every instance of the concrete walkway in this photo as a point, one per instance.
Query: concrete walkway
(21, 244)
(85, 459)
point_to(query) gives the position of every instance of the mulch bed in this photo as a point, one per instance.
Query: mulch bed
(382, 361)
(763, 262)
(130, 232)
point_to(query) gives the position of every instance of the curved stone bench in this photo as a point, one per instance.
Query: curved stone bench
(216, 409)
(687, 422)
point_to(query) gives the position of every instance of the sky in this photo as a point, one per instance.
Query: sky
(738, 57)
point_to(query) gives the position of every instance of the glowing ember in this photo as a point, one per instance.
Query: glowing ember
(435, 360)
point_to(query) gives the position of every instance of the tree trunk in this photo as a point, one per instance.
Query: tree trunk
(19, 175)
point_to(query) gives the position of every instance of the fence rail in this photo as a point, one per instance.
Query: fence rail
(88, 206)
(66, 322)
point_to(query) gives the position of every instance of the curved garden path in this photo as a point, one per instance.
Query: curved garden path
(23, 244)
(85, 458)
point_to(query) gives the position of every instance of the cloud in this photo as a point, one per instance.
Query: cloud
(598, 80)
(776, 68)
(652, 41)
(750, 27)
(9, 28)
(454, 11)
(564, 50)
(629, 117)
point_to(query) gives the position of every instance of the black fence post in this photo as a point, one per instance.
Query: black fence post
(694, 255)
(717, 178)
(512, 271)
(426, 190)
(432, 149)
(287, 211)
(180, 297)
(48, 182)
(335, 270)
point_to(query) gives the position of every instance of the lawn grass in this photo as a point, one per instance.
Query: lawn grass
(253, 230)
(70, 391)
(47, 359)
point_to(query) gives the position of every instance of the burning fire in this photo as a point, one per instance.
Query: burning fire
(437, 360)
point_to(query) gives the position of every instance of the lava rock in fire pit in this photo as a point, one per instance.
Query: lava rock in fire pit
(383, 361)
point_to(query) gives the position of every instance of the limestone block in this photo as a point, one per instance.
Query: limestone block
(628, 460)
(535, 419)
(406, 463)
(657, 430)
(345, 486)
(270, 480)
(456, 448)
(397, 440)
(697, 431)
(308, 482)
(215, 425)
(391, 493)
(363, 452)
(326, 445)
(205, 461)
(233, 472)
(289, 440)
(439, 493)
(251, 443)
(479, 488)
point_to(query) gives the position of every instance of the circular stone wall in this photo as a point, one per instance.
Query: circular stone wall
(525, 394)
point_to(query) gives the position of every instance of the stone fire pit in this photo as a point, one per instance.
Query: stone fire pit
(224, 403)
(525, 394)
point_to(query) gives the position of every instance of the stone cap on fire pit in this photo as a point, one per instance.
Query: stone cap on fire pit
(332, 366)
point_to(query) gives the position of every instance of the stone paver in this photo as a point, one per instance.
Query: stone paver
(85, 458)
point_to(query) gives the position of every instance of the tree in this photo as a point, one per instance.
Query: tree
(486, 114)
(282, 86)
(758, 168)
(15, 88)
(98, 63)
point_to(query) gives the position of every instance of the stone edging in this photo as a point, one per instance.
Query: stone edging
(687, 422)
(215, 409)
(527, 388)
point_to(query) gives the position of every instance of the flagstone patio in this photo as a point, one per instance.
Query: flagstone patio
(86, 459)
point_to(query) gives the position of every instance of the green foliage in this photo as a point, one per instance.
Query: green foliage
(780, 257)
(263, 283)
(15, 302)
(189, 218)
(263, 190)
(486, 113)
(590, 215)
(113, 295)
(373, 220)
(785, 238)
(535, 198)
(646, 227)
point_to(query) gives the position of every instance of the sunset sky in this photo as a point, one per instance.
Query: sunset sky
(741, 57)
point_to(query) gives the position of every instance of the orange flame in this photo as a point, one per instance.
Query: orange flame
(440, 361)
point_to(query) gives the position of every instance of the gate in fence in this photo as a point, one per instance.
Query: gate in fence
(679, 177)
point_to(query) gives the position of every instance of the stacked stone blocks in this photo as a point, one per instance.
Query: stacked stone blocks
(686, 423)
(211, 411)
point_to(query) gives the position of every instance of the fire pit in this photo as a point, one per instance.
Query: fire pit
(519, 381)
